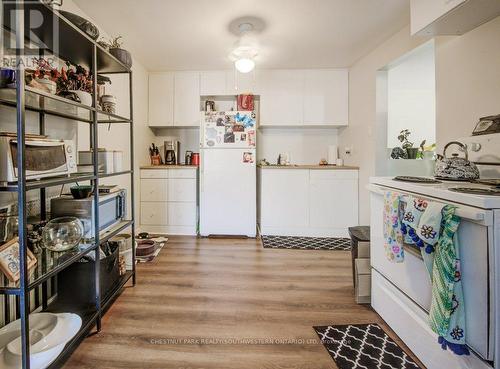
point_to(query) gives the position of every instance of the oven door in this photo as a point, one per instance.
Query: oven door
(411, 277)
(43, 158)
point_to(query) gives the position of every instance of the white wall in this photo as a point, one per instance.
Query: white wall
(467, 80)
(411, 89)
(117, 137)
(305, 145)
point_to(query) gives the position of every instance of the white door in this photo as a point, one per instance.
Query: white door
(334, 199)
(241, 83)
(281, 97)
(161, 99)
(284, 199)
(213, 83)
(187, 99)
(326, 97)
(227, 192)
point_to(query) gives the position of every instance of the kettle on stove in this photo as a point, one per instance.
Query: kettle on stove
(455, 167)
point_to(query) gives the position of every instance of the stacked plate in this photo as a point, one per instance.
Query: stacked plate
(49, 333)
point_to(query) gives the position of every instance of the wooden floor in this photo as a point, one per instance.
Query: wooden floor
(199, 291)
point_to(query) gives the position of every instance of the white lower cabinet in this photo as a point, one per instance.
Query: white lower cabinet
(308, 202)
(169, 203)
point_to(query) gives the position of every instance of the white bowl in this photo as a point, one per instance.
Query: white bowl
(49, 333)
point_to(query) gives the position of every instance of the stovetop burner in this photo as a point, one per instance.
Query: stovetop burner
(416, 179)
(477, 190)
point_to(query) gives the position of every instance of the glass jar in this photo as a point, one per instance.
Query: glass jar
(62, 234)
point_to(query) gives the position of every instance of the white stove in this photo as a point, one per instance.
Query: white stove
(401, 292)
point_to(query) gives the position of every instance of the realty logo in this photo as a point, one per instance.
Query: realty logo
(41, 32)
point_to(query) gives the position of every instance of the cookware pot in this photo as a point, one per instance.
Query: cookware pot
(455, 167)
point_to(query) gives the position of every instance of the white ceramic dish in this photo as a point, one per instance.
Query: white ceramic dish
(49, 333)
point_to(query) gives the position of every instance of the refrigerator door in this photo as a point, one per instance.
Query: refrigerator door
(228, 192)
(228, 129)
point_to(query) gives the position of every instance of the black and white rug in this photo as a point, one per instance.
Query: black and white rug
(306, 243)
(363, 346)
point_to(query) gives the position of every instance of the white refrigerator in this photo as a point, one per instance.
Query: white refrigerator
(228, 204)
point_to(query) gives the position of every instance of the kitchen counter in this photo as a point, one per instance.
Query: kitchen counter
(168, 167)
(312, 166)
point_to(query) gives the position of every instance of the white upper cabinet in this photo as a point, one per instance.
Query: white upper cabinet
(186, 99)
(450, 17)
(281, 97)
(213, 83)
(326, 97)
(161, 99)
(241, 83)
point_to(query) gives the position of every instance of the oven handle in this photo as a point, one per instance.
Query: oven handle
(41, 143)
(464, 213)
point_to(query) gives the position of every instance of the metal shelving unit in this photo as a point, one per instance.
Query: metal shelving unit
(75, 46)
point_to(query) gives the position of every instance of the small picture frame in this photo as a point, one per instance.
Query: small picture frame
(9, 260)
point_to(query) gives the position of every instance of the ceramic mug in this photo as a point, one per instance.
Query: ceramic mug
(7, 77)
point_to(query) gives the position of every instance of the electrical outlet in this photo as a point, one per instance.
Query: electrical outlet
(348, 151)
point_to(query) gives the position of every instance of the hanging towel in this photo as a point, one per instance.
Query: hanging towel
(447, 314)
(433, 227)
(392, 229)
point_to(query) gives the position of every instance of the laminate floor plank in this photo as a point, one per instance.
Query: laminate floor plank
(227, 304)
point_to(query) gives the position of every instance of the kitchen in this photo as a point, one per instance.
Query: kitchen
(228, 157)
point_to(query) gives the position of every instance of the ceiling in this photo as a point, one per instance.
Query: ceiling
(195, 34)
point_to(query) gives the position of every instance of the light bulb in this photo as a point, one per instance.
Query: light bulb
(244, 65)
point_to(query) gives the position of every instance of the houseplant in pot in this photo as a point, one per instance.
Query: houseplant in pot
(114, 46)
(406, 151)
(75, 81)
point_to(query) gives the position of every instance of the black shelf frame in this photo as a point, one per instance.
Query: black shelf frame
(75, 46)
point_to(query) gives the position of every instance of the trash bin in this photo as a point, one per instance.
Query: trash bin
(360, 245)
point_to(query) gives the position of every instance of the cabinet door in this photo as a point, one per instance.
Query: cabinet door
(213, 83)
(187, 99)
(182, 190)
(241, 83)
(161, 99)
(334, 201)
(284, 198)
(154, 189)
(181, 214)
(154, 213)
(326, 97)
(281, 97)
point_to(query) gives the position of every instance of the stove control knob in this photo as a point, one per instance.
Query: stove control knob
(475, 147)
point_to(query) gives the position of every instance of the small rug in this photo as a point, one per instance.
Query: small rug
(363, 346)
(306, 243)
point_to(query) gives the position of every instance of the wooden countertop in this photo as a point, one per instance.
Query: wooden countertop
(169, 167)
(313, 166)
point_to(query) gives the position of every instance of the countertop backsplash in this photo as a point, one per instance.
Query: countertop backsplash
(304, 145)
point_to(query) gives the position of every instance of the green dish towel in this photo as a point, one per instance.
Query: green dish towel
(433, 227)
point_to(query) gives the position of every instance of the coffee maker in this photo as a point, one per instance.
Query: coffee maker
(172, 152)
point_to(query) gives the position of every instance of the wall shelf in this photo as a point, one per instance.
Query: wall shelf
(64, 40)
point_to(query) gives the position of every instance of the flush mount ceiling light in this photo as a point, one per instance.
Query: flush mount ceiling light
(245, 50)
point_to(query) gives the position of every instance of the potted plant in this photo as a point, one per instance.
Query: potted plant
(407, 145)
(75, 81)
(114, 46)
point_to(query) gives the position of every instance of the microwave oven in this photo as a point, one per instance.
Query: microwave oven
(44, 157)
(112, 210)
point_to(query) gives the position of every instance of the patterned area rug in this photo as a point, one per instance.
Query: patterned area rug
(363, 346)
(306, 243)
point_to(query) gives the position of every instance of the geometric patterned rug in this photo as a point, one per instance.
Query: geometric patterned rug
(363, 346)
(306, 243)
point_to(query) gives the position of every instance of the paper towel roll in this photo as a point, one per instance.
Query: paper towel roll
(333, 154)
